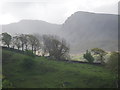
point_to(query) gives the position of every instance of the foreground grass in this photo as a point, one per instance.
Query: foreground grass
(56, 74)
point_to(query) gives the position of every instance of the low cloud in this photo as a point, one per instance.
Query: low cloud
(53, 11)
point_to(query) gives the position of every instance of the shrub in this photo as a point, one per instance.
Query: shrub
(112, 63)
(6, 84)
(88, 57)
(28, 63)
(101, 53)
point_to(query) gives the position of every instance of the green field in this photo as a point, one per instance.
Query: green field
(55, 74)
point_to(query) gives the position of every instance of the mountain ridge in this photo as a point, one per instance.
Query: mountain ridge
(83, 30)
(63, 22)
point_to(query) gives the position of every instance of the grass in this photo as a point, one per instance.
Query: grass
(77, 57)
(56, 74)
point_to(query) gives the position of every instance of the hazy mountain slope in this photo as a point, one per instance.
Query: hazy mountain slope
(82, 30)
(31, 26)
(88, 30)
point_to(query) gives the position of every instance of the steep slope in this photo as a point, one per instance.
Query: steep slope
(88, 30)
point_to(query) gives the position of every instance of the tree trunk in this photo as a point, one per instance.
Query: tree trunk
(8, 45)
(18, 48)
(22, 47)
(32, 48)
(43, 54)
(35, 52)
(26, 47)
(101, 57)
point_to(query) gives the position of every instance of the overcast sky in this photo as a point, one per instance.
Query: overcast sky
(53, 11)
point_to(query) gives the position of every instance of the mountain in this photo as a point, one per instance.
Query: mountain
(82, 30)
(31, 26)
(88, 30)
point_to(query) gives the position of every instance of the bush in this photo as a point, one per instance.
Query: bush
(112, 63)
(6, 84)
(101, 53)
(28, 63)
(29, 53)
(88, 57)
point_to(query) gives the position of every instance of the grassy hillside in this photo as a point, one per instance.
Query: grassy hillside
(54, 74)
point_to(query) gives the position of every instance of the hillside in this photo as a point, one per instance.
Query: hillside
(87, 30)
(82, 30)
(49, 73)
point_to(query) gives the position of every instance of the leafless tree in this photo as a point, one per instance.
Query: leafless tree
(26, 41)
(34, 42)
(56, 47)
(13, 42)
(17, 42)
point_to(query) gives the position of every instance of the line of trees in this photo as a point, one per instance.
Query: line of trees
(52, 45)
(21, 41)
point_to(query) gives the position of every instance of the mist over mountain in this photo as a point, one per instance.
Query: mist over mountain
(88, 30)
(31, 26)
(83, 30)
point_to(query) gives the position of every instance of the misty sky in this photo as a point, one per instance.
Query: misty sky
(53, 11)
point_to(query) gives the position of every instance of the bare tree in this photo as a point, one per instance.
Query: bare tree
(17, 42)
(20, 41)
(23, 39)
(26, 41)
(13, 41)
(45, 44)
(56, 47)
(36, 46)
(34, 42)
